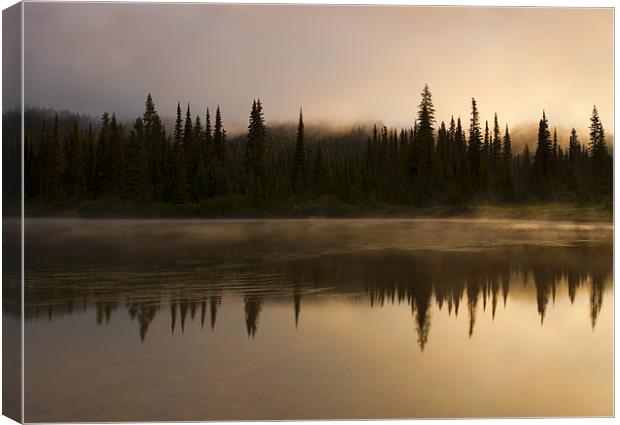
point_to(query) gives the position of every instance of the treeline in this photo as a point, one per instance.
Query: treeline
(195, 162)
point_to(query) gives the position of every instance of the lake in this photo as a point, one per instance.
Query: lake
(152, 320)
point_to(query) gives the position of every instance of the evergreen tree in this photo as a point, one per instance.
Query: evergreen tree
(425, 147)
(178, 127)
(599, 158)
(299, 163)
(180, 179)
(256, 148)
(574, 147)
(485, 159)
(188, 137)
(542, 160)
(218, 138)
(496, 152)
(137, 184)
(75, 182)
(506, 168)
(474, 145)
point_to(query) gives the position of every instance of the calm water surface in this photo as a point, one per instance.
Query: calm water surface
(298, 319)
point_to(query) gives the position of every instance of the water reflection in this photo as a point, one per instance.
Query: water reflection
(193, 320)
(423, 279)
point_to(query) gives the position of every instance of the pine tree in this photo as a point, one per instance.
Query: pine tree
(425, 147)
(218, 138)
(299, 163)
(155, 147)
(188, 136)
(600, 161)
(137, 182)
(496, 152)
(506, 168)
(574, 147)
(256, 147)
(208, 135)
(474, 145)
(485, 159)
(461, 184)
(178, 127)
(75, 183)
(180, 179)
(543, 160)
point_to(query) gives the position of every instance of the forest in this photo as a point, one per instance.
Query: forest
(197, 169)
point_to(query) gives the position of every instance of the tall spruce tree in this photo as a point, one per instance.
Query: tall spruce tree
(75, 183)
(506, 168)
(256, 148)
(474, 145)
(299, 162)
(218, 138)
(600, 161)
(543, 160)
(496, 151)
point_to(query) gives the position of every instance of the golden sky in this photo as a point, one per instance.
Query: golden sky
(343, 64)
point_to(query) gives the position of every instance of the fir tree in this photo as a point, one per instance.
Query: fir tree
(256, 147)
(299, 163)
(474, 144)
(218, 138)
(543, 160)
(600, 161)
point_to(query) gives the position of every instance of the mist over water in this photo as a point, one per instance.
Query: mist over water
(184, 319)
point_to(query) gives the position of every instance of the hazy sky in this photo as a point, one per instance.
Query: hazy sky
(343, 64)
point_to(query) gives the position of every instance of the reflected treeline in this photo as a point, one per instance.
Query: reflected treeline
(425, 280)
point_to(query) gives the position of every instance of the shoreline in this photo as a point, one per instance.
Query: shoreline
(554, 212)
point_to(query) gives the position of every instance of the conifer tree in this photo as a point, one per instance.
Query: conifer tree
(299, 163)
(136, 182)
(218, 138)
(180, 180)
(178, 127)
(574, 147)
(188, 135)
(506, 167)
(208, 134)
(474, 145)
(462, 173)
(425, 146)
(485, 159)
(600, 161)
(154, 144)
(256, 146)
(496, 151)
(75, 183)
(543, 160)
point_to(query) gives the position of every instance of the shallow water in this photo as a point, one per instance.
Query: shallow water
(299, 319)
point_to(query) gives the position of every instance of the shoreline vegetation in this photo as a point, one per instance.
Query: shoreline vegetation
(116, 169)
(325, 208)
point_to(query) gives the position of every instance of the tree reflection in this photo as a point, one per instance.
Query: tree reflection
(421, 279)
